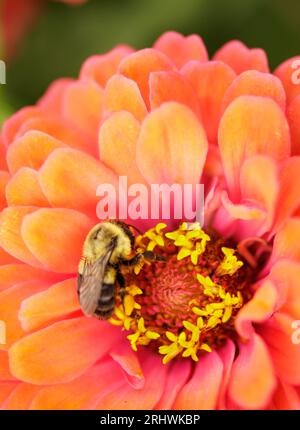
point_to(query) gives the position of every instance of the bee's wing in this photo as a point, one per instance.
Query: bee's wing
(90, 284)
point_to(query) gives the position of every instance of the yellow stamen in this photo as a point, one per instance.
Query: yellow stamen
(211, 306)
(230, 264)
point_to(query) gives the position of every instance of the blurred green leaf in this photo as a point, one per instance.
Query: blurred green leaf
(64, 36)
(5, 109)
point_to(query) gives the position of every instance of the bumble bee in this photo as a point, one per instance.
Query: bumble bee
(107, 247)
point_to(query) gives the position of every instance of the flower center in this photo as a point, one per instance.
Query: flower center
(184, 293)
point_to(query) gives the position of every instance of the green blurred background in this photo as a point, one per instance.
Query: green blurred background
(63, 36)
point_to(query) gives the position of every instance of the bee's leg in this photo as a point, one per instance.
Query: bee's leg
(150, 255)
(133, 261)
(122, 284)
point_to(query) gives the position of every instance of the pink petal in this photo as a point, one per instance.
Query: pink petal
(286, 243)
(102, 67)
(176, 379)
(64, 187)
(240, 58)
(172, 146)
(119, 135)
(252, 381)
(289, 194)
(126, 397)
(255, 83)
(83, 106)
(288, 73)
(139, 65)
(181, 49)
(202, 390)
(260, 308)
(293, 115)
(172, 86)
(204, 77)
(123, 94)
(277, 334)
(52, 99)
(227, 355)
(130, 364)
(251, 125)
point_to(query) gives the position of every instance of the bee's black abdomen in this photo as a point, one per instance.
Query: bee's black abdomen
(107, 293)
(106, 302)
(104, 315)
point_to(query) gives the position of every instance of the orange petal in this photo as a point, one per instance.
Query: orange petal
(286, 241)
(5, 389)
(202, 390)
(10, 301)
(5, 374)
(255, 83)
(204, 77)
(59, 130)
(118, 135)
(285, 275)
(278, 334)
(55, 237)
(172, 146)
(24, 189)
(83, 105)
(251, 125)
(130, 364)
(4, 178)
(123, 94)
(240, 58)
(178, 375)
(102, 67)
(52, 100)
(83, 392)
(126, 397)
(289, 74)
(11, 274)
(139, 65)
(11, 220)
(13, 124)
(260, 308)
(252, 381)
(42, 308)
(31, 150)
(172, 86)
(21, 397)
(70, 178)
(255, 171)
(288, 200)
(181, 49)
(62, 351)
(293, 115)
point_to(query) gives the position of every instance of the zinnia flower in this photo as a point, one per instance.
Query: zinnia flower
(211, 325)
